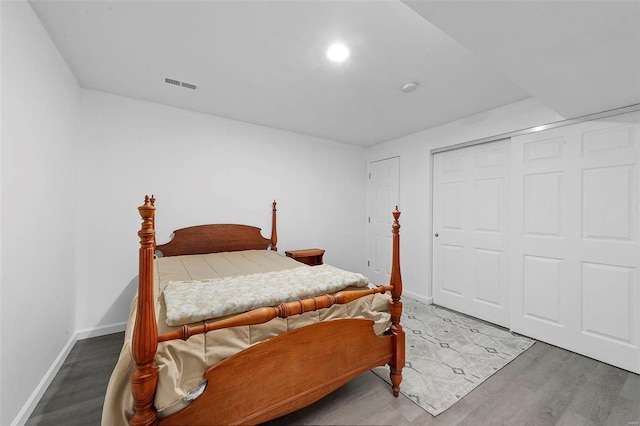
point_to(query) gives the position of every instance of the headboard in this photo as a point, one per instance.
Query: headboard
(216, 238)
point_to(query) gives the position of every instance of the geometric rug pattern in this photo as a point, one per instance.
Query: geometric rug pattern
(449, 354)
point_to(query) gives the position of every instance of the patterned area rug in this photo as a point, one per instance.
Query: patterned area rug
(448, 354)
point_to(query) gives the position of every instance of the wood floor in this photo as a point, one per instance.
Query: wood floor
(544, 386)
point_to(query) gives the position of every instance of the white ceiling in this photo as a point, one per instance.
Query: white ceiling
(264, 62)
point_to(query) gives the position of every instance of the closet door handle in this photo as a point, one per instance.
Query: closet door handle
(436, 235)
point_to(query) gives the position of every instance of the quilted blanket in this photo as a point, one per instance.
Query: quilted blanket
(191, 301)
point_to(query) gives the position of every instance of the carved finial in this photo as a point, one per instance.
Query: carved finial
(396, 214)
(149, 201)
(147, 209)
(147, 232)
(274, 205)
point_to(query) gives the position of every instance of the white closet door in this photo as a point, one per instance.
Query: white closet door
(470, 225)
(574, 246)
(384, 192)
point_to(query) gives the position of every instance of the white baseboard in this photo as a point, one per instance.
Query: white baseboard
(37, 394)
(103, 330)
(33, 400)
(418, 297)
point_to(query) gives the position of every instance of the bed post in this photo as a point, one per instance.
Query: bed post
(274, 232)
(396, 309)
(145, 333)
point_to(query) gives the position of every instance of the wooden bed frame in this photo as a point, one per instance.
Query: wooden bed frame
(278, 375)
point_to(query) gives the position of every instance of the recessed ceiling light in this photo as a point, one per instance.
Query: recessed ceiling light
(338, 52)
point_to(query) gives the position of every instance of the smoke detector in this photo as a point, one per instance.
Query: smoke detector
(409, 87)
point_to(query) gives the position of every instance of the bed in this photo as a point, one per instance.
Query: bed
(181, 364)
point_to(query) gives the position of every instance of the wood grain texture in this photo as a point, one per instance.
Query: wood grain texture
(214, 238)
(398, 360)
(145, 332)
(281, 375)
(218, 238)
(546, 386)
(76, 394)
(311, 257)
(239, 373)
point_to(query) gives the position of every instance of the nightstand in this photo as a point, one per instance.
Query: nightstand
(311, 257)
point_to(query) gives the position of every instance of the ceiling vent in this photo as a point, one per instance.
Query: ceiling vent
(180, 83)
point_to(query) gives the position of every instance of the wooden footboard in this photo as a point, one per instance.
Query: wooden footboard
(286, 373)
(274, 377)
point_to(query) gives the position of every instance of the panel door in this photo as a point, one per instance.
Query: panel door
(470, 225)
(384, 193)
(574, 246)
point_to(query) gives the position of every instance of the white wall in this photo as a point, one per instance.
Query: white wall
(415, 178)
(202, 169)
(1, 219)
(39, 100)
(76, 164)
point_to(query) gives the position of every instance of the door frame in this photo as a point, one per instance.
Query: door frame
(431, 226)
(369, 238)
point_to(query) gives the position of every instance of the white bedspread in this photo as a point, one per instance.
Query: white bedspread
(196, 300)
